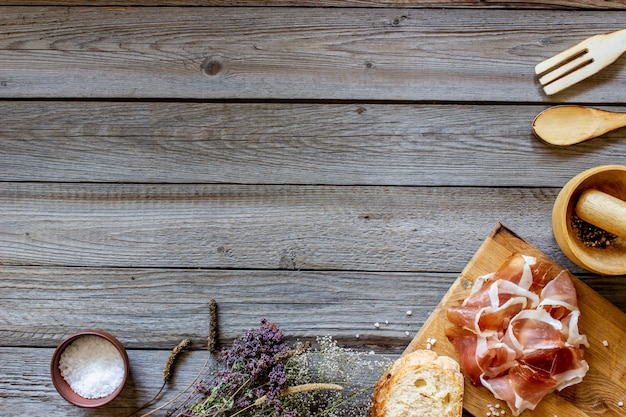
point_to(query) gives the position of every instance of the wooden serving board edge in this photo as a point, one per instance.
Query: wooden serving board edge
(604, 385)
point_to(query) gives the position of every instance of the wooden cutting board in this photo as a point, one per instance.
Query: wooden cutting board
(605, 384)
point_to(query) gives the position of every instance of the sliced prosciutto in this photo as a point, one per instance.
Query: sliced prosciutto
(522, 387)
(558, 297)
(517, 332)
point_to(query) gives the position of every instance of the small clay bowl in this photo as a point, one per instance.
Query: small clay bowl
(64, 388)
(611, 260)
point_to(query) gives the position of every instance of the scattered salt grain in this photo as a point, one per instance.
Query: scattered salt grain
(620, 404)
(357, 335)
(92, 367)
(605, 343)
(409, 313)
(386, 321)
(494, 410)
(407, 333)
(377, 325)
(428, 346)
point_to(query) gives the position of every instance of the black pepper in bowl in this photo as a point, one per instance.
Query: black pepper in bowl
(590, 235)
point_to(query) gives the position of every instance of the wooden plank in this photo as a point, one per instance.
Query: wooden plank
(298, 227)
(294, 53)
(270, 143)
(510, 4)
(156, 308)
(599, 321)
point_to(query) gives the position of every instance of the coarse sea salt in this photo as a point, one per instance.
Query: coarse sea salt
(92, 367)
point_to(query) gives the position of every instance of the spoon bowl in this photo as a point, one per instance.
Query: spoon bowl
(568, 125)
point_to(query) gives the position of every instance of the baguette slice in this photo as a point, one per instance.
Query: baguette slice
(419, 384)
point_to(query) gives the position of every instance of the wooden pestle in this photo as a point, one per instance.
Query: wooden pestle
(603, 210)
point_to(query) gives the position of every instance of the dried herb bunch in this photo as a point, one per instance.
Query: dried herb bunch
(262, 375)
(356, 371)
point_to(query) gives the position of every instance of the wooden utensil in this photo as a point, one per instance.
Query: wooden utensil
(603, 387)
(610, 180)
(568, 125)
(581, 61)
(603, 210)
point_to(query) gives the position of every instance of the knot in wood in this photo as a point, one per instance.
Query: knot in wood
(212, 67)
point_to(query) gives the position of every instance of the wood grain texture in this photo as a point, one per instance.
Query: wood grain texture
(261, 143)
(298, 227)
(156, 308)
(603, 386)
(294, 53)
(326, 167)
(483, 4)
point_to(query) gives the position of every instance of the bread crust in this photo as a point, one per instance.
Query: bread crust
(415, 360)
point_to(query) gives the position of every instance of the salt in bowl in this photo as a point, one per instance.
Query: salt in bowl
(101, 346)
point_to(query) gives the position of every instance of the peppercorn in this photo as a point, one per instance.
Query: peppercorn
(590, 235)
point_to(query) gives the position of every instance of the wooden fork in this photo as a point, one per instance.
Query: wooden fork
(581, 61)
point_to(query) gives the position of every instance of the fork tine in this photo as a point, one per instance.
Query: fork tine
(557, 59)
(565, 69)
(580, 61)
(570, 79)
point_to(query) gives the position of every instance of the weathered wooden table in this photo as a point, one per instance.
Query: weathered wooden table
(325, 167)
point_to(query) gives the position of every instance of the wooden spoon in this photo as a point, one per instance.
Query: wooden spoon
(568, 125)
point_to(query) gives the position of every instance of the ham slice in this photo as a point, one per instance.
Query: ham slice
(494, 357)
(465, 343)
(558, 297)
(534, 329)
(489, 310)
(522, 388)
(517, 332)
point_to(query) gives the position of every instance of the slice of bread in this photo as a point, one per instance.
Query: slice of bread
(419, 384)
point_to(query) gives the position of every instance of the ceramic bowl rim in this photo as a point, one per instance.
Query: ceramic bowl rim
(63, 387)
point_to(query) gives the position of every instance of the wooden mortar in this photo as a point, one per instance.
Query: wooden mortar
(597, 196)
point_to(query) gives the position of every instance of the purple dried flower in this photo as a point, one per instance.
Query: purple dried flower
(250, 370)
(277, 375)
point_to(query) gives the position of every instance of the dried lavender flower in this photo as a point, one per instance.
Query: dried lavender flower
(261, 375)
(250, 369)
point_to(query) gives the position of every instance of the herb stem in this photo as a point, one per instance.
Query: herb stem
(340, 403)
(206, 362)
(212, 340)
(318, 386)
(167, 372)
